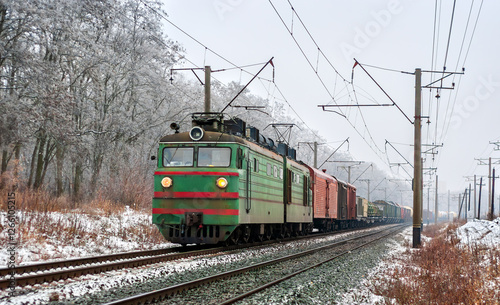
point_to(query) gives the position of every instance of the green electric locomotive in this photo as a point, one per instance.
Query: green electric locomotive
(223, 182)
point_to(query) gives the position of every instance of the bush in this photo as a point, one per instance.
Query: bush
(442, 272)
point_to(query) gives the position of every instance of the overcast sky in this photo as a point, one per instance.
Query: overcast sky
(396, 35)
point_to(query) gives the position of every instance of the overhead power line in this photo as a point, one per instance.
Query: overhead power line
(373, 144)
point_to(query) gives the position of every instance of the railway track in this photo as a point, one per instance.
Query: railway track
(54, 271)
(39, 273)
(179, 289)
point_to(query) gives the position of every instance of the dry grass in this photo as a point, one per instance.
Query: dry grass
(442, 272)
(49, 225)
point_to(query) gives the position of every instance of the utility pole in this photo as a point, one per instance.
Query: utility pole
(459, 205)
(436, 211)
(448, 205)
(417, 161)
(479, 204)
(348, 167)
(315, 154)
(491, 161)
(474, 214)
(490, 217)
(208, 71)
(367, 181)
(314, 148)
(428, 204)
(421, 195)
(207, 88)
(492, 211)
(468, 209)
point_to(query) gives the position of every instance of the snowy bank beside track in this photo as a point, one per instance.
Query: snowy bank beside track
(476, 253)
(48, 236)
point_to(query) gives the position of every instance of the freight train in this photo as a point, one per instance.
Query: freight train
(223, 182)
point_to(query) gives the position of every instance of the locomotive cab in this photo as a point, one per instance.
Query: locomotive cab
(196, 187)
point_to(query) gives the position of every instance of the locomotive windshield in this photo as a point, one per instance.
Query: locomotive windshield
(214, 156)
(178, 156)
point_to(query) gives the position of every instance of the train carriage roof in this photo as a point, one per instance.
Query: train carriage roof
(321, 174)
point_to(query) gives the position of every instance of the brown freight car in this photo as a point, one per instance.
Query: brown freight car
(346, 205)
(351, 204)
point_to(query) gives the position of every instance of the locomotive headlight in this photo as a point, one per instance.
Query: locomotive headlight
(221, 183)
(196, 133)
(166, 182)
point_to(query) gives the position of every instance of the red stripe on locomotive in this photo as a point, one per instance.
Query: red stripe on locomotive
(205, 211)
(199, 173)
(230, 195)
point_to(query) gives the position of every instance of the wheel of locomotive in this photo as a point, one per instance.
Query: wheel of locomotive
(301, 231)
(234, 237)
(258, 238)
(282, 232)
(304, 229)
(268, 232)
(290, 231)
(246, 234)
(308, 229)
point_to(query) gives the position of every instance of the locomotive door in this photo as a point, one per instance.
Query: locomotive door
(248, 184)
(327, 206)
(289, 178)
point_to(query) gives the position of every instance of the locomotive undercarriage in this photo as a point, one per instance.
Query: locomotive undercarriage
(240, 234)
(262, 232)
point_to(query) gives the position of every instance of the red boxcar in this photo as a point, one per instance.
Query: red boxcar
(324, 189)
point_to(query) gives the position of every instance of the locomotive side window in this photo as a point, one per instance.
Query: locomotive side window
(178, 156)
(214, 156)
(275, 172)
(269, 169)
(239, 158)
(305, 188)
(255, 165)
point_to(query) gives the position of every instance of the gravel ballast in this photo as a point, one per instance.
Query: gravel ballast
(329, 283)
(321, 286)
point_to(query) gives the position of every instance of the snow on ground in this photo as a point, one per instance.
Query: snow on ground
(363, 294)
(480, 232)
(55, 235)
(88, 284)
(474, 232)
(112, 227)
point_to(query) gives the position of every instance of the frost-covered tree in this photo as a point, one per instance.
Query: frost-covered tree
(96, 82)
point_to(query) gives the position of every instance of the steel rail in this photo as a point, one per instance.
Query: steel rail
(83, 261)
(265, 286)
(161, 294)
(125, 260)
(121, 260)
(33, 279)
